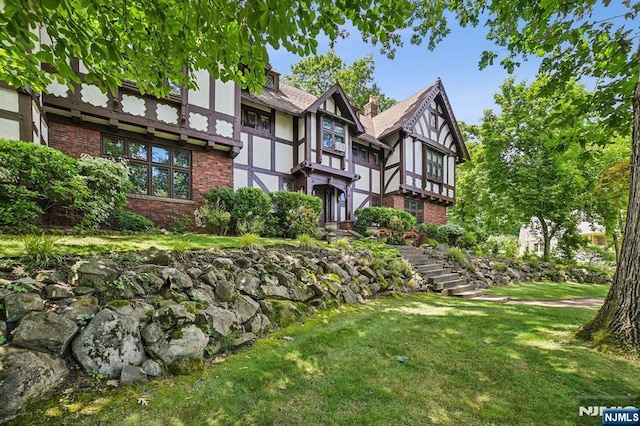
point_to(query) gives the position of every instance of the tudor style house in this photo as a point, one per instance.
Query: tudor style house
(218, 135)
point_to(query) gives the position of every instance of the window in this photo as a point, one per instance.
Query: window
(414, 208)
(375, 201)
(154, 170)
(333, 135)
(376, 158)
(288, 185)
(355, 152)
(435, 161)
(364, 154)
(433, 120)
(256, 119)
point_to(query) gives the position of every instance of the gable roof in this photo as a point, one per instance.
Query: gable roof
(404, 114)
(342, 102)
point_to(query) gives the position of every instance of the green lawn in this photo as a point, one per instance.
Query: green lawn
(550, 291)
(10, 245)
(467, 362)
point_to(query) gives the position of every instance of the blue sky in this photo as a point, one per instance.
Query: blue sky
(455, 61)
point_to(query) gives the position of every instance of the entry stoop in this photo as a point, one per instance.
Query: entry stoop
(440, 277)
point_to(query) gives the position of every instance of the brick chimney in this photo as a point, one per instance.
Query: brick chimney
(371, 109)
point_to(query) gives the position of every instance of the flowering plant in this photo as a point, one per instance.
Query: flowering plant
(410, 234)
(384, 233)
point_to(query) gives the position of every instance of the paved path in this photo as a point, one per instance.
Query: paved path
(585, 302)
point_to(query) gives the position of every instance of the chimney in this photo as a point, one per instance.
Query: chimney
(371, 109)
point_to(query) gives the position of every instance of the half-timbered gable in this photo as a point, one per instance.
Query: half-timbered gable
(419, 175)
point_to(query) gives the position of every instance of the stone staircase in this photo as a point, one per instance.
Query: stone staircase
(441, 278)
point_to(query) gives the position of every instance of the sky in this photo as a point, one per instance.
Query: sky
(455, 61)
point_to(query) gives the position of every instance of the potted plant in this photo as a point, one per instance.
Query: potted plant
(410, 237)
(371, 230)
(331, 226)
(383, 234)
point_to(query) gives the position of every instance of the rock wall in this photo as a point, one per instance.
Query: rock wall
(489, 272)
(137, 318)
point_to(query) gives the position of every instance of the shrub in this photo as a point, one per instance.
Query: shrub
(225, 196)
(40, 250)
(213, 218)
(250, 241)
(34, 179)
(294, 213)
(468, 240)
(432, 243)
(181, 224)
(250, 204)
(303, 220)
(124, 220)
(429, 231)
(250, 225)
(108, 184)
(499, 266)
(397, 221)
(503, 244)
(305, 242)
(341, 243)
(455, 255)
(451, 233)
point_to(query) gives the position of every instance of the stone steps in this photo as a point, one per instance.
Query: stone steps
(442, 279)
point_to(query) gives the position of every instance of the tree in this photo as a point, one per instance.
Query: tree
(573, 44)
(154, 41)
(611, 198)
(316, 74)
(523, 167)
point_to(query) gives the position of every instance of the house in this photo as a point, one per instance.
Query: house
(218, 135)
(531, 240)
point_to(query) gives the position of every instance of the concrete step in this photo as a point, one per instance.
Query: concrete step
(452, 291)
(451, 284)
(444, 277)
(470, 294)
(429, 271)
(426, 266)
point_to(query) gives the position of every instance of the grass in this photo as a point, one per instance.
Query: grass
(467, 362)
(550, 291)
(10, 245)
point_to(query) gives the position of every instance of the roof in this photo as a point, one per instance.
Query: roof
(288, 99)
(393, 118)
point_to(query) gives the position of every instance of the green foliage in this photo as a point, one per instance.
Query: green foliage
(250, 241)
(294, 213)
(181, 224)
(83, 319)
(499, 266)
(468, 240)
(305, 242)
(431, 242)
(225, 197)
(40, 250)
(34, 179)
(3, 340)
(454, 254)
(213, 217)
(316, 74)
(124, 220)
(341, 243)
(250, 204)
(397, 221)
(430, 231)
(108, 183)
(126, 39)
(451, 233)
(506, 245)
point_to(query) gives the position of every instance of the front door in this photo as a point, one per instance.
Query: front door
(325, 193)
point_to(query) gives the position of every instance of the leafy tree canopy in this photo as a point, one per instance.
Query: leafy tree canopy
(151, 41)
(316, 74)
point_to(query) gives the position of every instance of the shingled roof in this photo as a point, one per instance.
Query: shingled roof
(393, 118)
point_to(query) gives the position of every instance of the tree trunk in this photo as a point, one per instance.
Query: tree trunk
(546, 237)
(618, 321)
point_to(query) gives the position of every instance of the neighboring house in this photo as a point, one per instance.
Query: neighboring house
(181, 146)
(530, 238)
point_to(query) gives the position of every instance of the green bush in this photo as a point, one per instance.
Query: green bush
(225, 196)
(34, 179)
(429, 231)
(124, 220)
(250, 204)
(40, 250)
(294, 213)
(455, 255)
(181, 224)
(213, 218)
(108, 184)
(468, 240)
(397, 221)
(451, 233)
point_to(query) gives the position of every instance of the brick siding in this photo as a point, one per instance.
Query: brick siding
(431, 212)
(209, 170)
